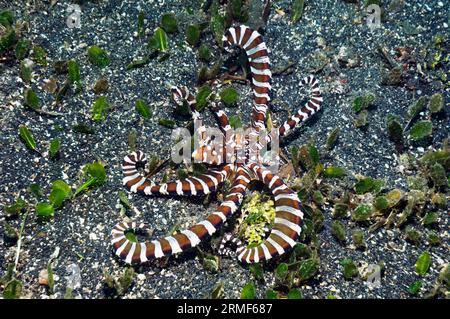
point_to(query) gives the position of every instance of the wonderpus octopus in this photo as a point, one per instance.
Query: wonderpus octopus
(240, 170)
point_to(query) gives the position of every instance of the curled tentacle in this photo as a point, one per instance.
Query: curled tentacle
(140, 252)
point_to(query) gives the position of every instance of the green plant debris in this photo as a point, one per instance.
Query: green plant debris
(412, 235)
(281, 271)
(204, 53)
(210, 263)
(122, 284)
(414, 288)
(83, 128)
(217, 24)
(368, 184)
(23, 47)
(13, 289)
(439, 200)
(362, 212)
(45, 210)
(39, 55)
(74, 74)
(101, 86)
(433, 239)
(99, 108)
(202, 97)
(271, 294)
(10, 234)
(363, 102)
(16, 208)
(395, 129)
(308, 268)
(421, 130)
(6, 18)
(229, 96)
(436, 103)
(257, 271)
(340, 210)
(60, 192)
(7, 40)
(381, 203)
(32, 100)
(349, 268)
(430, 218)
(332, 138)
(235, 121)
(393, 197)
(438, 175)
(169, 22)
(358, 239)
(26, 71)
(36, 190)
(218, 290)
(248, 291)
(140, 24)
(143, 109)
(51, 279)
(27, 138)
(297, 10)
(159, 41)
(295, 294)
(416, 107)
(361, 119)
(338, 231)
(55, 145)
(423, 263)
(98, 56)
(193, 34)
(167, 123)
(97, 176)
(334, 172)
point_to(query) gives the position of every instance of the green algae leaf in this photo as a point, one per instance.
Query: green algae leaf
(140, 24)
(23, 47)
(13, 289)
(25, 71)
(218, 291)
(97, 173)
(7, 40)
(308, 268)
(349, 268)
(27, 137)
(248, 292)
(368, 184)
(217, 24)
(36, 190)
(39, 55)
(143, 109)
(381, 203)
(159, 41)
(436, 103)
(14, 209)
(169, 22)
(271, 294)
(204, 53)
(167, 123)
(334, 172)
(338, 231)
(362, 213)
(395, 129)
(415, 287)
(297, 10)
(193, 34)
(415, 108)
(332, 138)
(430, 218)
(421, 130)
(229, 96)
(55, 145)
(235, 121)
(281, 271)
(32, 100)
(98, 108)
(6, 18)
(51, 279)
(257, 271)
(202, 97)
(294, 293)
(74, 75)
(358, 238)
(83, 128)
(60, 192)
(45, 210)
(423, 263)
(98, 56)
